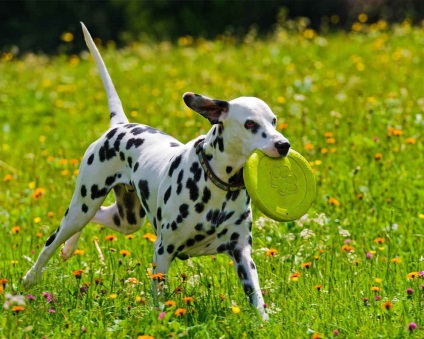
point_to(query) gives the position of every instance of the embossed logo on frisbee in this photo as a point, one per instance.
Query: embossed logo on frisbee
(282, 188)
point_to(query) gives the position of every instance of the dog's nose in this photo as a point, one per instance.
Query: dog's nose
(282, 147)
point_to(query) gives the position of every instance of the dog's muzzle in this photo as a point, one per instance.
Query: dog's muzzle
(282, 147)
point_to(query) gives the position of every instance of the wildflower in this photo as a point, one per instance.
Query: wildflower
(375, 288)
(333, 201)
(188, 300)
(316, 335)
(397, 260)
(306, 265)
(111, 237)
(412, 326)
(421, 215)
(30, 297)
(336, 333)
(157, 276)
(8, 177)
(16, 229)
(231, 263)
(295, 276)
(180, 311)
(78, 273)
(129, 236)
(412, 275)
(161, 315)
(360, 196)
(18, 308)
(38, 193)
(328, 134)
(379, 240)
(378, 156)
(283, 125)
(368, 255)
(14, 262)
(409, 291)
(37, 220)
(50, 214)
(132, 280)
(170, 303)
(125, 253)
(98, 281)
(377, 298)
(318, 287)
(411, 141)
(178, 289)
(309, 147)
(113, 296)
(79, 252)
(145, 337)
(49, 297)
(38, 234)
(272, 252)
(235, 309)
(331, 140)
(347, 248)
(387, 306)
(51, 310)
(149, 236)
(365, 300)
(306, 234)
(378, 280)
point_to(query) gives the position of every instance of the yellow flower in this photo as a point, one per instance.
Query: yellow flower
(113, 296)
(378, 280)
(37, 220)
(411, 141)
(235, 309)
(8, 177)
(397, 260)
(129, 236)
(421, 215)
(145, 337)
(412, 275)
(376, 289)
(38, 193)
(295, 276)
(79, 252)
(149, 236)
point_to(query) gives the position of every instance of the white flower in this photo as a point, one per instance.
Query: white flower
(306, 234)
(321, 219)
(343, 233)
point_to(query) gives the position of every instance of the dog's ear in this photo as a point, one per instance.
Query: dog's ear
(214, 110)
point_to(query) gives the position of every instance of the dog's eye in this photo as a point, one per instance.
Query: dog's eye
(250, 124)
(274, 122)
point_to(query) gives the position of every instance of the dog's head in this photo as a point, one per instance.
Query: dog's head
(248, 120)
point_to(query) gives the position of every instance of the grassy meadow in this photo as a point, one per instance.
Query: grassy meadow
(352, 103)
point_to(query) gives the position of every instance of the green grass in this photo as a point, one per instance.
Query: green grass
(365, 88)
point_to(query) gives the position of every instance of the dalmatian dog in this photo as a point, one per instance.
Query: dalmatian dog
(193, 194)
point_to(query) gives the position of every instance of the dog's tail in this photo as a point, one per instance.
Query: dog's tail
(117, 114)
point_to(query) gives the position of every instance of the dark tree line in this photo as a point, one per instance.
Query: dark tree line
(37, 25)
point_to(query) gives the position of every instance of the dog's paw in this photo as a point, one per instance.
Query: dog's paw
(30, 279)
(66, 252)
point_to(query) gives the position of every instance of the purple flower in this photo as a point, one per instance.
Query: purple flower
(368, 255)
(365, 300)
(49, 297)
(52, 310)
(377, 298)
(409, 291)
(336, 333)
(421, 274)
(412, 326)
(30, 297)
(162, 315)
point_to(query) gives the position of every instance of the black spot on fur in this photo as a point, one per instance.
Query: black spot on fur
(105, 152)
(111, 133)
(190, 242)
(90, 159)
(199, 207)
(234, 236)
(199, 237)
(159, 214)
(243, 217)
(174, 165)
(174, 226)
(179, 182)
(51, 239)
(143, 185)
(160, 250)
(221, 248)
(223, 232)
(117, 142)
(174, 144)
(232, 195)
(264, 135)
(83, 191)
(110, 180)
(129, 159)
(241, 272)
(252, 265)
(198, 227)
(193, 189)
(116, 220)
(167, 194)
(98, 193)
(131, 218)
(134, 142)
(170, 249)
(228, 169)
(142, 212)
(84, 208)
(122, 156)
(248, 289)
(237, 255)
(136, 167)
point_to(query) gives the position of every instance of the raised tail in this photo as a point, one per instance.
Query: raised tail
(117, 114)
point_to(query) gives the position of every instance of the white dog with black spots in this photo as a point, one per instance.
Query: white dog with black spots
(193, 194)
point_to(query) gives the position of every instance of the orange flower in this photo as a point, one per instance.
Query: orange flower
(111, 237)
(98, 281)
(272, 252)
(129, 236)
(308, 147)
(328, 134)
(387, 306)
(125, 253)
(180, 312)
(282, 126)
(157, 276)
(16, 229)
(378, 156)
(411, 141)
(17, 308)
(38, 193)
(376, 289)
(78, 273)
(333, 201)
(379, 240)
(295, 276)
(188, 300)
(50, 214)
(316, 335)
(347, 248)
(331, 141)
(318, 287)
(306, 264)
(170, 303)
(412, 275)
(3, 282)
(178, 289)
(79, 252)
(8, 177)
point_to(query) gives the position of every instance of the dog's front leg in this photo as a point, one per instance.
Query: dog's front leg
(161, 261)
(246, 271)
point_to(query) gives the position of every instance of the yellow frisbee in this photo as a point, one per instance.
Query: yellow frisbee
(282, 188)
